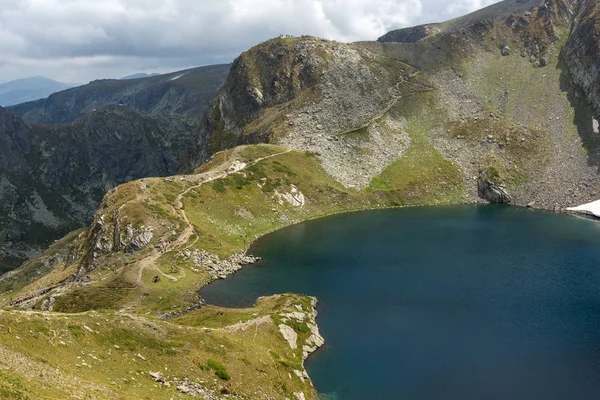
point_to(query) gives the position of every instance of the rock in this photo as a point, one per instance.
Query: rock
(490, 191)
(81, 155)
(142, 239)
(183, 389)
(300, 396)
(157, 376)
(294, 197)
(531, 204)
(218, 268)
(290, 335)
(48, 304)
(505, 51)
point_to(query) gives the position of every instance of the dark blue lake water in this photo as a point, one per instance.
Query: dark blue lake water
(461, 302)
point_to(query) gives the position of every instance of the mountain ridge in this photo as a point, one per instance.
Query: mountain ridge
(185, 92)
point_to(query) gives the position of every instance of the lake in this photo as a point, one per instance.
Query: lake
(458, 302)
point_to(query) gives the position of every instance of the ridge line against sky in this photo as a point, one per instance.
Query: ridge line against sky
(82, 40)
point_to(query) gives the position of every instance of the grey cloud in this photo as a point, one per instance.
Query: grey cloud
(78, 40)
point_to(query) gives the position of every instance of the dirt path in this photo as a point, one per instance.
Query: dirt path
(230, 166)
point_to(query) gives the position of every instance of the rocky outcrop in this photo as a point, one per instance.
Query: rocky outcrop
(294, 197)
(490, 191)
(185, 93)
(582, 51)
(410, 35)
(308, 339)
(216, 267)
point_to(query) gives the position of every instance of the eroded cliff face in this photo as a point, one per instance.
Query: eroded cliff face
(53, 177)
(15, 142)
(582, 51)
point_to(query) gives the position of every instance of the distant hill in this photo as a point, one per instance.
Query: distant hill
(138, 76)
(186, 93)
(28, 89)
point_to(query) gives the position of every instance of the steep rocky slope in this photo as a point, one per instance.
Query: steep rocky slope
(52, 177)
(186, 93)
(582, 51)
(489, 107)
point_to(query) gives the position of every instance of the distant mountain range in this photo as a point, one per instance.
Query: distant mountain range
(28, 89)
(185, 93)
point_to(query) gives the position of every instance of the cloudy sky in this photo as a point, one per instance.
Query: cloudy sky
(81, 40)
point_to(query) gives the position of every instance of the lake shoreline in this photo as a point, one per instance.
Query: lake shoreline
(249, 248)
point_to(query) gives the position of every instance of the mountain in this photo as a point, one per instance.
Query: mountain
(497, 106)
(27, 89)
(53, 176)
(186, 92)
(138, 76)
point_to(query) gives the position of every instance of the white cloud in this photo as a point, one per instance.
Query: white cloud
(79, 40)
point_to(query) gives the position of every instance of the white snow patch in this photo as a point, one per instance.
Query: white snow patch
(592, 208)
(177, 77)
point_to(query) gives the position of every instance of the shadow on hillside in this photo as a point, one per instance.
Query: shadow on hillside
(584, 115)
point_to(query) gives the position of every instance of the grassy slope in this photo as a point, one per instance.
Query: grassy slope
(422, 175)
(106, 355)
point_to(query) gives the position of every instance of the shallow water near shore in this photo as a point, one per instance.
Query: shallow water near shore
(458, 302)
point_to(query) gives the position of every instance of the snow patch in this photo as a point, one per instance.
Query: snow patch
(592, 208)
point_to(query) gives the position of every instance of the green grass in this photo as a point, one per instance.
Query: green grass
(421, 175)
(219, 369)
(121, 349)
(215, 209)
(215, 317)
(17, 387)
